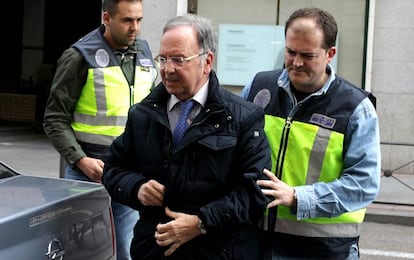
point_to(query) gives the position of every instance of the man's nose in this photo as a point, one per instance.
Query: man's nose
(169, 66)
(298, 60)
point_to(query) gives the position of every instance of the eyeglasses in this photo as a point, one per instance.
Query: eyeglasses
(176, 61)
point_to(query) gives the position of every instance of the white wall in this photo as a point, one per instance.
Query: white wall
(392, 80)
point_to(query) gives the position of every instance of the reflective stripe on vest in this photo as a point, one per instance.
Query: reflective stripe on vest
(310, 154)
(102, 109)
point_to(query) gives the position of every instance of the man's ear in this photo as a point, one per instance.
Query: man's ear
(330, 54)
(105, 18)
(208, 63)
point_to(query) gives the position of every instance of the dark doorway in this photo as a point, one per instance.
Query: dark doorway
(11, 45)
(66, 22)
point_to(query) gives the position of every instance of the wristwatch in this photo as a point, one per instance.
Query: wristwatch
(201, 227)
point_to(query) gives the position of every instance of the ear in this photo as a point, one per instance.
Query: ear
(105, 18)
(208, 63)
(330, 54)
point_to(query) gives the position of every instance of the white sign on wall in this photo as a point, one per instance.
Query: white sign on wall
(244, 50)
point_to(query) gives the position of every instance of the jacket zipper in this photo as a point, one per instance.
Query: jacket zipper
(206, 117)
(131, 95)
(283, 144)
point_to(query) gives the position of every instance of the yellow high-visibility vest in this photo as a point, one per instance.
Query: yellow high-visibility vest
(102, 109)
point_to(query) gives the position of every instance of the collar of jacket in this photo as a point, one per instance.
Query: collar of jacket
(216, 98)
(160, 96)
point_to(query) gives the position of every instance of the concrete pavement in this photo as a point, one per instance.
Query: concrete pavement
(30, 152)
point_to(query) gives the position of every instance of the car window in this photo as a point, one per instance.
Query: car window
(6, 171)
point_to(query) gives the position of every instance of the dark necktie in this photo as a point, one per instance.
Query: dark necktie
(182, 124)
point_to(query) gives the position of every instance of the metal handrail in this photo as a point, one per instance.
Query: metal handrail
(388, 172)
(396, 143)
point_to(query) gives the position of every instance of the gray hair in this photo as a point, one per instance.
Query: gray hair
(207, 38)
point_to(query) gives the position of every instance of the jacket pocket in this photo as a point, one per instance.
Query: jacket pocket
(218, 142)
(212, 159)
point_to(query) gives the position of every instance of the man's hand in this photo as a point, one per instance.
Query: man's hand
(178, 231)
(278, 189)
(151, 193)
(91, 167)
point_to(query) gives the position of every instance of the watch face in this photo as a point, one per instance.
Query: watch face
(201, 227)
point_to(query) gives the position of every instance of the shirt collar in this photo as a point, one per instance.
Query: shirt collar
(200, 97)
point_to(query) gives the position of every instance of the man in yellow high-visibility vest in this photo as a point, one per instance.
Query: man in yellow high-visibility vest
(324, 136)
(96, 81)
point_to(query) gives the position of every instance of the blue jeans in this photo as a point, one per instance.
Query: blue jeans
(124, 218)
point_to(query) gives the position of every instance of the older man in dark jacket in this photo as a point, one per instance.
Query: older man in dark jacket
(198, 197)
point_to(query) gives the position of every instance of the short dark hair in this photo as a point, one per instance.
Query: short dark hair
(110, 6)
(323, 19)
